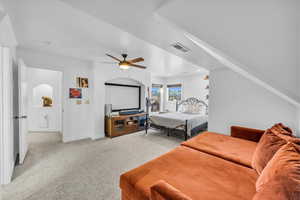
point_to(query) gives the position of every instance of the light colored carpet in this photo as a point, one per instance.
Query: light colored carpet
(83, 170)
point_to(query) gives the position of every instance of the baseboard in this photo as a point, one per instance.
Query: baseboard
(67, 140)
(98, 137)
(51, 131)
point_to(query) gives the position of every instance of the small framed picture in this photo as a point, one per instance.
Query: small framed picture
(75, 93)
(206, 77)
(82, 82)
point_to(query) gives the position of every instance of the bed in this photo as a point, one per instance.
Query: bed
(190, 118)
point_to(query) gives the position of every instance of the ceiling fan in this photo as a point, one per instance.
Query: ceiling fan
(126, 64)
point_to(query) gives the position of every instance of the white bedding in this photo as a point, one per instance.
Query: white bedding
(175, 119)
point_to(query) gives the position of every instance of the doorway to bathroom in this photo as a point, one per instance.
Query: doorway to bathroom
(44, 105)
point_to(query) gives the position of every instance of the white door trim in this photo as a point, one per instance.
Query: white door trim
(6, 117)
(2, 149)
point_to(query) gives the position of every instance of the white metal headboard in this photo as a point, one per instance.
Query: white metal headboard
(193, 102)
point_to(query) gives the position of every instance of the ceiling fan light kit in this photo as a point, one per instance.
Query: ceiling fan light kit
(126, 64)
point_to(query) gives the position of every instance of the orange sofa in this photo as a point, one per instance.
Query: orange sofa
(209, 166)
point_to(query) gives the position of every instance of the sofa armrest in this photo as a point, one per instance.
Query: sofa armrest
(164, 191)
(246, 133)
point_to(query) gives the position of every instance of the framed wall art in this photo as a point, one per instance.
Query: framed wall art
(75, 93)
(82, 82)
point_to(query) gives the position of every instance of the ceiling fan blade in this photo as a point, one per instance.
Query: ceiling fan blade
(106, 62)
(140, 59)
(138, 66)
(114, 57)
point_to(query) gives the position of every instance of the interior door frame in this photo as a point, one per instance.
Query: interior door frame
(60, 96)
(2, 149)
(6, 117)
(63, 94)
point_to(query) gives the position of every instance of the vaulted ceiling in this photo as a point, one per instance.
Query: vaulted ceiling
(259, 38)
(260, 35)
(66, 28)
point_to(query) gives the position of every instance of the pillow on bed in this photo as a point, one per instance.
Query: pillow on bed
(192, 109)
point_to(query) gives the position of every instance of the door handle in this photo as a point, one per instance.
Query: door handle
(21, 117)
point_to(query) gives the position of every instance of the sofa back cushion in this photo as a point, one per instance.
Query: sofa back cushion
(274, 190)
(280, 126)
(246, 133)
(281, 177)
(270, 142)
(266, 148)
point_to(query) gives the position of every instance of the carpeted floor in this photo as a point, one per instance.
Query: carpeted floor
(83, 170)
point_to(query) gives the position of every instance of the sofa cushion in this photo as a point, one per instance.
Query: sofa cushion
(269, 143)
(230, 148)
(164, 191)
(285, 167)
(286, 135)
(282, 129)
(274, 190)
(196, 174)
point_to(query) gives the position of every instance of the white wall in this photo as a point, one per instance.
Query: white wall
(103, 73)
(192, 86)
(85, 120)
(44, 118)
(78, 119)
(235, 100)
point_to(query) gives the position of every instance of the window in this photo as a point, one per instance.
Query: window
(174, 92)
(156, 93)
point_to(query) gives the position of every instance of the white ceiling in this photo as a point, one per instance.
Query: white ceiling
(89, 29)
(253, 34)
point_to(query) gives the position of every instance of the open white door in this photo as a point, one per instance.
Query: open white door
(23, 121)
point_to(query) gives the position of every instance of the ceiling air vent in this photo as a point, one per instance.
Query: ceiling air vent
(180, 47)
